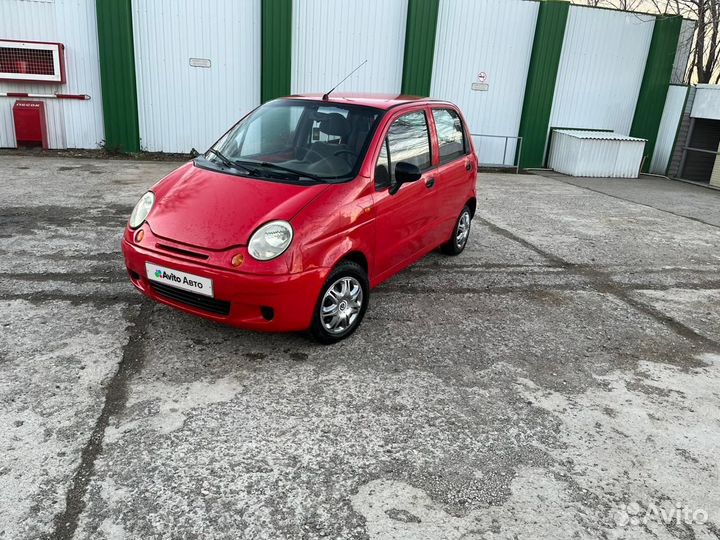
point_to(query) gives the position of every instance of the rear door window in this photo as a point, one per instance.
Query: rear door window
(451, 135)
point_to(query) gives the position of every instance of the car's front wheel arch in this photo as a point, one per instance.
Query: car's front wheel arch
(342, 303)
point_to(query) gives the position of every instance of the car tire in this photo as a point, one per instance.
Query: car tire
(461, 232)
(342, 303)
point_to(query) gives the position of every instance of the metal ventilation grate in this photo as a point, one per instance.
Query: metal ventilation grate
(31, 61)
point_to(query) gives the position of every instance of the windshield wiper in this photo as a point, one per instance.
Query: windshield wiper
(228, 162)
(275, 166)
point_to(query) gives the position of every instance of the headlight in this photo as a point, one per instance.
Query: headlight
(142, 209)
(270, 240)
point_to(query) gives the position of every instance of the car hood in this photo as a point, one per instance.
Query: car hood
(216, 211)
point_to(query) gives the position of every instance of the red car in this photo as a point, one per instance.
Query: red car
(288, 221)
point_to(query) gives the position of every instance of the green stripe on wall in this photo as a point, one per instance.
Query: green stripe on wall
(420, 33)
(540, 87)
(655, 84)
(276, 49)
(117, 75)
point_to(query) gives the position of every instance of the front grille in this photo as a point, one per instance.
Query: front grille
(185, 252)
(198, 301)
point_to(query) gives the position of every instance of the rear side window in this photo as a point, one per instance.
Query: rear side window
(451, 136)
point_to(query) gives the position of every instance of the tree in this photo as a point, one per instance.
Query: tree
(624, 5)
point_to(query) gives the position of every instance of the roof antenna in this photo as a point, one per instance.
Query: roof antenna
(327, 95)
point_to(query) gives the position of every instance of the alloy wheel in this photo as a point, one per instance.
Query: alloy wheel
(463, 230)
(341, 305)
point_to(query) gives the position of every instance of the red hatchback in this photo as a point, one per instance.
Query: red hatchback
(307, 203)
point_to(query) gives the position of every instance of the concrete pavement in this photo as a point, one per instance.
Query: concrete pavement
(560, 379)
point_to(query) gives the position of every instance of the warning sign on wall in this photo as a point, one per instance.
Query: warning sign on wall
(481, 85)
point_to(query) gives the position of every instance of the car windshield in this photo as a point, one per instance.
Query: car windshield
(294, 138)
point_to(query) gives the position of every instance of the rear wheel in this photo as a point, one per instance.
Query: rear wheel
(457, 242)
(342, 303)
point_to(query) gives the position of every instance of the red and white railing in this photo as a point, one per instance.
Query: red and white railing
(43, 96)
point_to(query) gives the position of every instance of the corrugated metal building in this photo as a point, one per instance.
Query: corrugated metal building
(500, 35)
(172, 76)
(668, 128)
(329, 39)
(601, 69)
(696, 153)
(183, 106)
(70, 123)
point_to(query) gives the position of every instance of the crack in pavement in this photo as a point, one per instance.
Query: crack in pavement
(710, 285)
(604, 283)
(106, 256)
(68, 277)
(434, 265)
(500, 290)
(75, 299)
(474, 271)
(116, 396)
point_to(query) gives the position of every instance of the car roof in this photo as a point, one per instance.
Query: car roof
(378, 101)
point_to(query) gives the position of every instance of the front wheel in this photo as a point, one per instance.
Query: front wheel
(342, 303)
(457, 242)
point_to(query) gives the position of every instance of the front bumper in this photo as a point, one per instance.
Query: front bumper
(290, 299)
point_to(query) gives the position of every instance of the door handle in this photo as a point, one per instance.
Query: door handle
(430, 182)
(469, 166)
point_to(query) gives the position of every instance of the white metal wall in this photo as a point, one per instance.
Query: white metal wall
(183, 107)
(601, 69)
(674, 104)
(707, 102)
(330, 39)
(70, 123)
(494, 37)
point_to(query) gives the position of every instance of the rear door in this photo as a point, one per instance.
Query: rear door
(403, 220)
(456, 170)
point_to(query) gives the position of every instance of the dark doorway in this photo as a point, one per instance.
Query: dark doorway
(698, 164)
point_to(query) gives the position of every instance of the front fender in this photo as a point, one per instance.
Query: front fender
(350, 228)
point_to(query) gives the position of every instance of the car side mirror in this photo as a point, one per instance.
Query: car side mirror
(404, 173)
